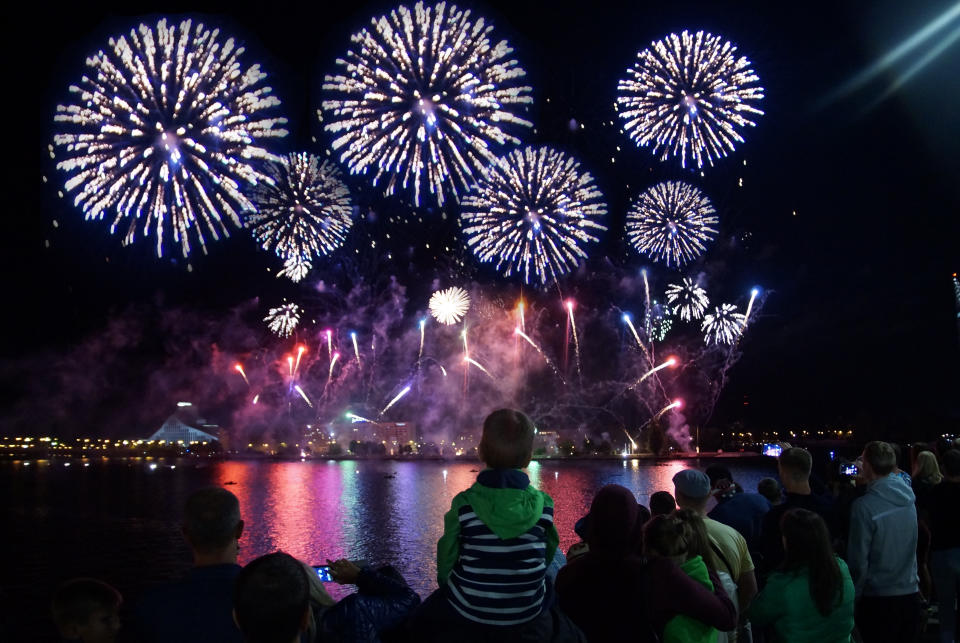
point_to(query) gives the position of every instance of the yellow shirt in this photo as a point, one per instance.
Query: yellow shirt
(733, 547)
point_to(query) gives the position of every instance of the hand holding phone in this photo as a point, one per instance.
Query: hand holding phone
(344, 571)
(324, 573)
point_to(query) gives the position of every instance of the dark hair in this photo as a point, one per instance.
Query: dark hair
(681, 533)
(507, 440)
(807, 545)
(718, 472)
(797, 462)
(76, 600)
(881, 456)
(210, 518)
(950, 463)
(270, 598)
(662, 503)
(769, 489)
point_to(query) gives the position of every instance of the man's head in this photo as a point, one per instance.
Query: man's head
(86, 609)
(717, 474)
(770, 489)
(950, 464)
(879, 460)
(692, 489)
(271, 599)
(507, 440)
(662, 503)
(212, 524)
(794, 466)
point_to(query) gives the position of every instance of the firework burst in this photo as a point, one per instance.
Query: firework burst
(530, 213)
(422, 97)
(689, 96)
(295, 268)
(671, 222)
(723, 325)
(449, 306)
(303, 210)
(687, 299)
(283, 320)
(163, 132)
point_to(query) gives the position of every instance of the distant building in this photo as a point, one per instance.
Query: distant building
(176, 429)
(545, 443)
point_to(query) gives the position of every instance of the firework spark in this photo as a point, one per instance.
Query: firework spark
(628, 320)
(723, 325)
(239, 368)
(300, 351)
(689, 96)
(302, 211)
(295, 269)
(746, 316)
(164, 131)
(356, 349)
(396, 399)
(671, 362)
(546, 359)
(449, 306)
(688, 300)
(671, 222)
(283, 319)
(303, 395)
(573, 326)
(422, 324)
(330, 342)
(422, 98)
(470, 360)
(530, 213)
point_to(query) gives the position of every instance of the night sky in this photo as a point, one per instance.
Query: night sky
(849, 213)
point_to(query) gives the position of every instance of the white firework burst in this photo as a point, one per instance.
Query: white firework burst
(723, 325)
(687, 299)
(164, 131)
(303, 210)
(295, 268)
(671, 222)
(688, 95)
(282, 320)
(450, 305)
(530, 213)
(422, 98)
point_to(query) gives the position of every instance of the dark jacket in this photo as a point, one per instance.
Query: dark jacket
(383, 602)
(771, 540)
(197, 608)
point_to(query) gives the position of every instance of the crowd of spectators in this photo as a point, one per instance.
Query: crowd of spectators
(708, 561)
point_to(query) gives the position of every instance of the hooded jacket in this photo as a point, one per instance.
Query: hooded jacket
(683, 628)
(882, 549)
(498, 540)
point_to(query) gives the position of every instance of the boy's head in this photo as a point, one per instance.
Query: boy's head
(507, 440)
(85, 609)
(271, 599)
(662, 503)
(770, 489)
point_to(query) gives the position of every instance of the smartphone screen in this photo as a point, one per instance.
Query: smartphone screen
(848, 469)
(323, 573)
(773, 450)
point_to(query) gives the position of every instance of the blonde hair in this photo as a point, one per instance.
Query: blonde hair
(926, 468)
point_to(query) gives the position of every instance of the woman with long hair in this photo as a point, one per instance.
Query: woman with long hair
(810, 597)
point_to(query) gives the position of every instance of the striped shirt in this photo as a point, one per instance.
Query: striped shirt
(499, 582)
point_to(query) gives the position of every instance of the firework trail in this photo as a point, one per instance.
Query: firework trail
(333, 363)
(423, 323)
(672, 361)
(673, 405)
(164, 133)
(546, 359)
(470, 360)
(303, 210)
(256, 398)
(239, 368)
(404, 391)
(290, 365)
(746, 317)
(356, 349)
(300, 350)
(530, 213)
(723, 326)
(520, 309)
(283, 320)
(690, 96)
(330, 343)
(576, 340)
(689, 300)
(303, 395)
(423, 96)
(629, 321)
(353, 417)
(671, 222)
(449, 306)
(646, 311)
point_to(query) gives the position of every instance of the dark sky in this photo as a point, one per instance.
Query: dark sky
(860, 325)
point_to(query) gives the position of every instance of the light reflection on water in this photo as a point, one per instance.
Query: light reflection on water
(119, 520)
(392, 512)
